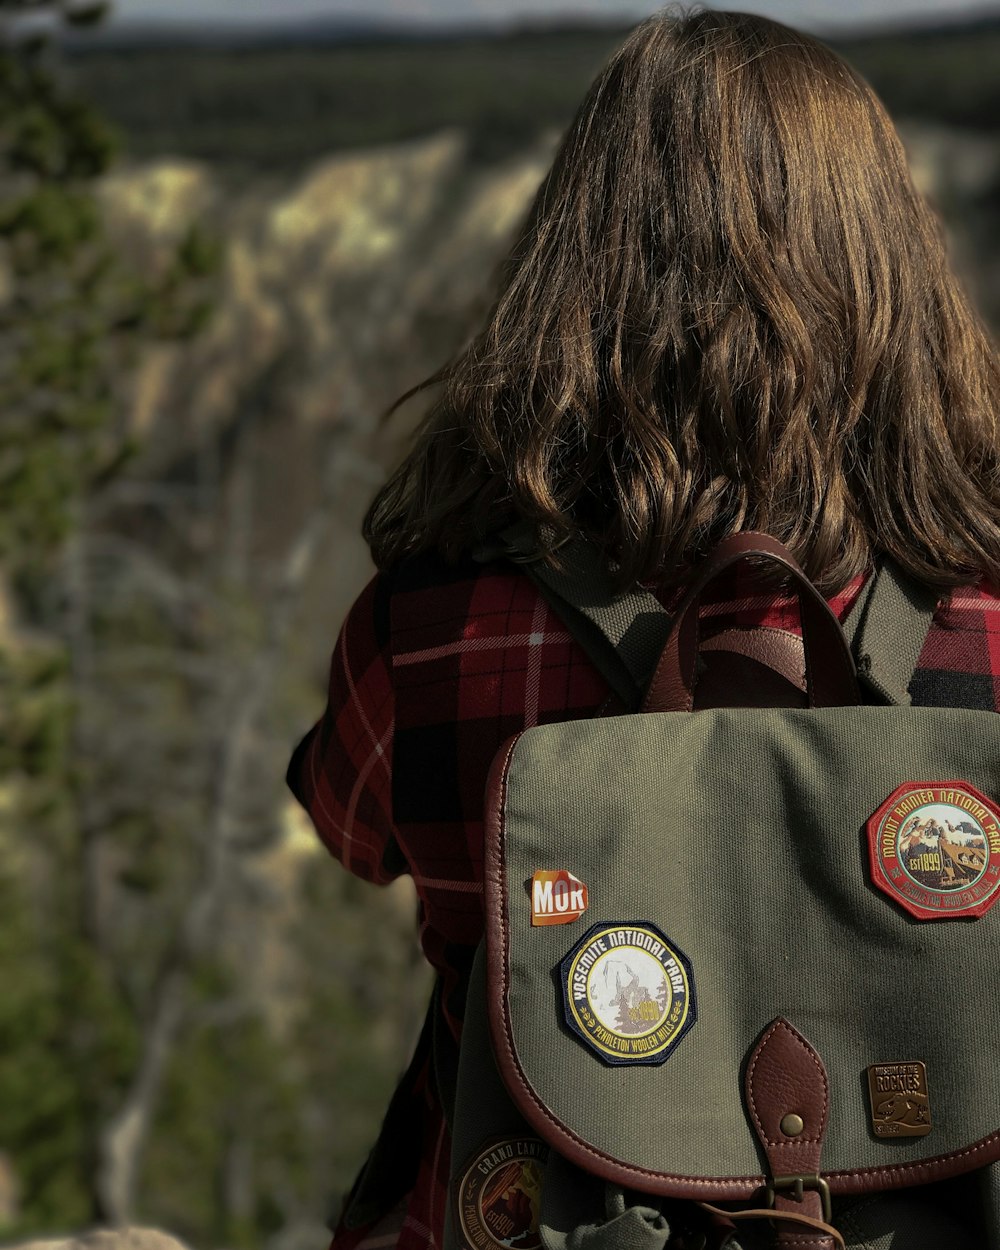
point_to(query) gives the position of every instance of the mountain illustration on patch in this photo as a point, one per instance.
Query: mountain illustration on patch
(629, 1004)
(942, 854)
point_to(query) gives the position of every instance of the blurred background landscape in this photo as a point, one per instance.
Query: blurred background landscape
(225, 247)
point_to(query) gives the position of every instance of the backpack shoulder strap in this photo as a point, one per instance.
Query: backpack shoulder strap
(622, 633)
(886, 629)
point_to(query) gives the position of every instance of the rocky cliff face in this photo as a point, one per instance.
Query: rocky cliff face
(337, 293)
(959, 171)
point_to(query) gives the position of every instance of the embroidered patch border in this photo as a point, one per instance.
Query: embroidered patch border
(934, 849)
(628, 992)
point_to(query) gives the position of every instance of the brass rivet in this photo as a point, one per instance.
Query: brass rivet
(792, 1124)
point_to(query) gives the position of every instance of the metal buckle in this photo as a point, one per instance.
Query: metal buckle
(797, 1185)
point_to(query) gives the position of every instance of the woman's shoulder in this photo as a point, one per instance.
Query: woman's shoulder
(433, 599)
(975, 604)
(959, 662)
(423, 597)
(431, 570)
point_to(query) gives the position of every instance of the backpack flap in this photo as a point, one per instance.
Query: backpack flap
(662, 888)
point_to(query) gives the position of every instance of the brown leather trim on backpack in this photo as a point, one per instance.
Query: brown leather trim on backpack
(757, 666)
(788, 1098)
(779, 649)
(576, 1149)
(792, 1224)
(831, 679)
(786, 1078)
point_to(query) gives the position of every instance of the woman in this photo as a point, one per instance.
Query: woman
(729, 310)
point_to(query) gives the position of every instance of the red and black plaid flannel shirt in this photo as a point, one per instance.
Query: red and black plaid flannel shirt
(436, 666)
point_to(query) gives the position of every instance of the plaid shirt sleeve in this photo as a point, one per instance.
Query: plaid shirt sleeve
(341, 770)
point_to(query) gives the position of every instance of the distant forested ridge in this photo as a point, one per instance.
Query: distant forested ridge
(283, 103)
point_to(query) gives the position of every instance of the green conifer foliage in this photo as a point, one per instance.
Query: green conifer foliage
(71, 319)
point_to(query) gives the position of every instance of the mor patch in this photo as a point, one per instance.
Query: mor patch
(934, 848)
(556, 897)
(628, 993)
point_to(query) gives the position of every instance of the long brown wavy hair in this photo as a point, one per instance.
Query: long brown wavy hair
(729, 309)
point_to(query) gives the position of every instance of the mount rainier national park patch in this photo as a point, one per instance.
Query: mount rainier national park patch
(934, 848)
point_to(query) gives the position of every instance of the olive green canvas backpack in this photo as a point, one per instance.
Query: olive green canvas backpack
(739, 985)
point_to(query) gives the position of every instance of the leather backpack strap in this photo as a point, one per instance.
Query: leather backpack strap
(829, 667)
(886, 629)
(622, 632)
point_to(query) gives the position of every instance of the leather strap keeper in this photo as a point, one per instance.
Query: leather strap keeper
(788, 1099)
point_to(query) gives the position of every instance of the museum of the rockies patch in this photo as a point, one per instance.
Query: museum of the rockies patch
(934, 849)
(628, 992)
(498, 1196)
